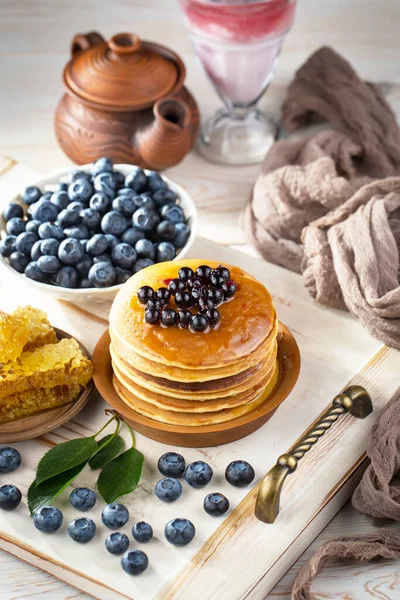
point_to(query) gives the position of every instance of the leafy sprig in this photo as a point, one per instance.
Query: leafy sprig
(120, 472)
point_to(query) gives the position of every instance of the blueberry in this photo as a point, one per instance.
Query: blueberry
(76, 207)
(114, 223)
(142, 532)
(68, 217)
(84, 265)
(179, 532)
(100, 201)
(97, 245)
(198, 474)
(165, 251)
(171, 464)
(32, 226)
(15, 226)
(80, 190)
(173, 213)
(118, 178)
(85, 283)
(49, 247)
(198, 323)
(36, 251)
(112, 240)
(164, 196)
(156, 182)
(25, 241)
(30, 195)
(49, 264)
(66, 277)
(142, 263)
(126, 191)
(103, 258)
(145, 219)
(50, 230)
(82, 498)
(169, 317)
(78, 232)
(168, 489)
(102, 275)
(239, 473)
(132, 235)
(46, 195)
(165, 231)
(7, 245)
(61, 186)
(184, 317)
(60, 199)
(185, 273)
(105, 183)
(124, 256)
(18, 261)
(10, 459)
(101, 165)
(125, 205)
(13, 210)
(90, 218)
(121, 275)
(115, 515)
(137, 181)
(32, 271)
(10, 497)
(117, 543)
(182, 235)
(44, 211)
(48, 519)
(70, 251)
(216, 504)
(144, 201)
(229, 289)
(145, 249)
(145, 293)
(134, 562)
(78, 174)
(82, 530)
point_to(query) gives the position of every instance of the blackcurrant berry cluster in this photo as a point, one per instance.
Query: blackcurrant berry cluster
(202, 290)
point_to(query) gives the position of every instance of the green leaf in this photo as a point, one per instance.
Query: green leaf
(65, 456)
(121, 475)
(109, 447)
(44, 493)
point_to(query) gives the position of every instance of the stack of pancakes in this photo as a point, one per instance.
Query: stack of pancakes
(179, 377)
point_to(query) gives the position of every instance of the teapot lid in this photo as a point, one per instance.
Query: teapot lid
(124, 73)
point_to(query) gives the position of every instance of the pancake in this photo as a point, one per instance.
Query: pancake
(246, 323)
(193, 419)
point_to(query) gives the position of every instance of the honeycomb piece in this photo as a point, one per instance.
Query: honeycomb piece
(24, 329)
(28, 403)
(46, 367)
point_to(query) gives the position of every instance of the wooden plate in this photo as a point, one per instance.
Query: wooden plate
(204, 435)
(38, 424)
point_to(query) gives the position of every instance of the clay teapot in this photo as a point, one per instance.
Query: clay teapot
(125, 99)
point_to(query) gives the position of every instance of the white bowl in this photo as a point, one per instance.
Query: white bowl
(97, 294)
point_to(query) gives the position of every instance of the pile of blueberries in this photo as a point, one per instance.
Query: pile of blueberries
(179, 531)
(203, 290)
(95, 230)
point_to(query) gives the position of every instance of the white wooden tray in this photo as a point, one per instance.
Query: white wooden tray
(236, 557)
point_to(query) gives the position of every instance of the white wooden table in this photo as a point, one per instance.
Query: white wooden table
(34, 40)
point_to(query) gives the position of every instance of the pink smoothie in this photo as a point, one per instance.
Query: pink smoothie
(238, 42)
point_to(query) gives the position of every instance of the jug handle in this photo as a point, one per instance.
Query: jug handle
(84, 41)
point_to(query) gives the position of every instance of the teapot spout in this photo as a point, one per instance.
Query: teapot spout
(167, 139)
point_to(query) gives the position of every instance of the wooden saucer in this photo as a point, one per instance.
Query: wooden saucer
(38, 424)
(204, 435)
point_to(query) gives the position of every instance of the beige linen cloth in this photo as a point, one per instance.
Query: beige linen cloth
(328, 205)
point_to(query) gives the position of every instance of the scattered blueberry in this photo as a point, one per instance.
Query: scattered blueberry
(115, 515)
(10, 459)
(30, 195)
(82, 498)
(82, 530)
(10, 497)
(102, 275)
(165, 251)
(142, 532)
(70, 251)
(13, 210)
(198, 474)
(216, 504)
(117, 543)
(171, 464)
(15, 226)
(134, 562)
(179, 532)
(48, 519)
(239, 473)
(168, 489)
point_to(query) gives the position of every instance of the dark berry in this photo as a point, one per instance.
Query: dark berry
(216, 295)
(145, 218)
(10, 497)
(216, 504)
(186, 274)
(132, 236)
(124, 256)
(203, 273)
(32, 271)
(184, 300)
(145, 249)
(176, 285)
(182, 234)
(142, 532)
(142, 263)
(137, 181)
(223, 272)
(18, 261)
(198, 474)
(145, 293)
(163, 294)
(184, 317)
(102, 164)
(30, 195)
(194, 284)
(166, 231)
(229, 289)
(205, 304)
(134, 562)
(216, 280)
(121, 275)
(171, 464)
(15, 226)
(156, 182)
(239, 473)
(165, 251)
(7, 245)
(164, 196)
(13, 210)
(212, 315)
(169, 317)
(179, 532)
(173, 213)
(152, 316)
(198, 323)
(144, 201)
(155, 304)
(115, 223)
(102, 275)
(66, 277)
